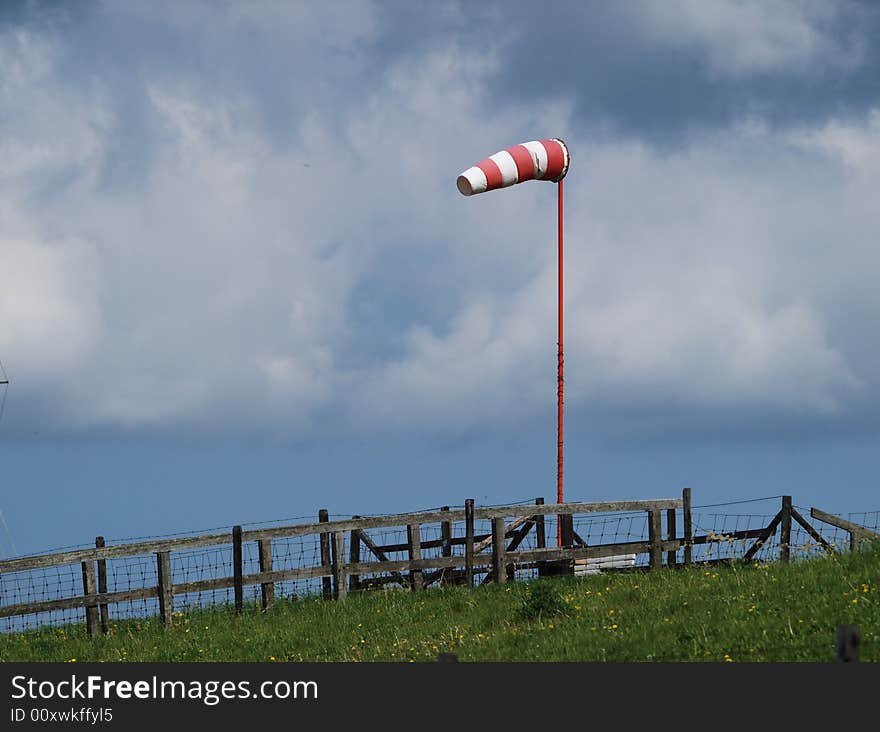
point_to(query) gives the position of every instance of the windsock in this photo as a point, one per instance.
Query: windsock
(535, 160)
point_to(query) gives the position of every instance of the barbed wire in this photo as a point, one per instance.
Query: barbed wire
(734, 503)
(437, 539)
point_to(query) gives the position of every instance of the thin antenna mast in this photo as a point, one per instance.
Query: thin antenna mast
(4, 381)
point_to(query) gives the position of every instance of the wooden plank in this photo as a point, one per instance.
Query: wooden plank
(354, 557)
(414, 537)
(427, 517)
(194, 542)
(499, 573)
(687, 520)
(508, 530)
(540, 528)
(183, 588)
(840, 523)
(277, 575)
(448, 567)
(165, 588)
(519, 535)
(67, 603)
(59, 559)
(524, 557)
(655, 538)
(469, 542)
(103, 608)
(670, 534)
(368, 522)
(237, 569)
(446, 547)
(730, 536)
(577, 538)
(785, 531)
(447, 563)
(445, 536)
(811, 531)
(378, 553)
(515, 540)
(327, 582)
(93, 624)
(762, 539)
(481, 563)
(580, 552)
(855, 540)
(657, 504)
(566, 525)
(338, 560)
(207, 585)
(433, 543)
(267, 589)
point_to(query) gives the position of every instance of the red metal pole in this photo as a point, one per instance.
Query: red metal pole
(560, 364)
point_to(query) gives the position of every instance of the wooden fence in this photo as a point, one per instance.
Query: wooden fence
(496, 555)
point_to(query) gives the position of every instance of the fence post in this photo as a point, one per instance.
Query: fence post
(267, 589)
(326, 583)
(166, 587)
(688, 526)
(354, 557)
(446, 549)
(785, 530)
(237, 569)
(848, 639)
(338, 559)
(414, 539)
(855, 539)
(655, 537)
(566, 524)
(102, 587)
(499, 573)
(540, 531)
(469, 542)
(671, 555)
(93, 626)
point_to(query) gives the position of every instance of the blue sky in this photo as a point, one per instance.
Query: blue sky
(238, 283)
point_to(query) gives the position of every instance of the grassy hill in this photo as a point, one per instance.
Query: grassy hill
(770, 612)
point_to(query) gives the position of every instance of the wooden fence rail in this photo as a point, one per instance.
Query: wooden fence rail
(856, 533)
(341, 573)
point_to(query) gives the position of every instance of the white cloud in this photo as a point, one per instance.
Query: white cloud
(697, 278)
(51, 318)
(218, 291)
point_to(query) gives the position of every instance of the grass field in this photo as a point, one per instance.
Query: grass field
(771, 612)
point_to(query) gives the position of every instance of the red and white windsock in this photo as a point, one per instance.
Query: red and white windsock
(535, 160)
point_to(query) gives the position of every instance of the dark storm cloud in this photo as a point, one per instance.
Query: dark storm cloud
(621, 74)
(249, 209)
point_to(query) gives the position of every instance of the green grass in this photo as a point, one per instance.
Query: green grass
(770, 612)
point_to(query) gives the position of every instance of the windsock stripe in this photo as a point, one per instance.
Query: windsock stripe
(539, 153)
(555, 160)
(525, 163)
(472, 181)
(492, 172)
(506, 164)
(533, 160)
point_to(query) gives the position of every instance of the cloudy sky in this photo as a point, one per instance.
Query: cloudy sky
(237, 280)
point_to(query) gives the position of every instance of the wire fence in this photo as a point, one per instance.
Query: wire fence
(717, 524)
